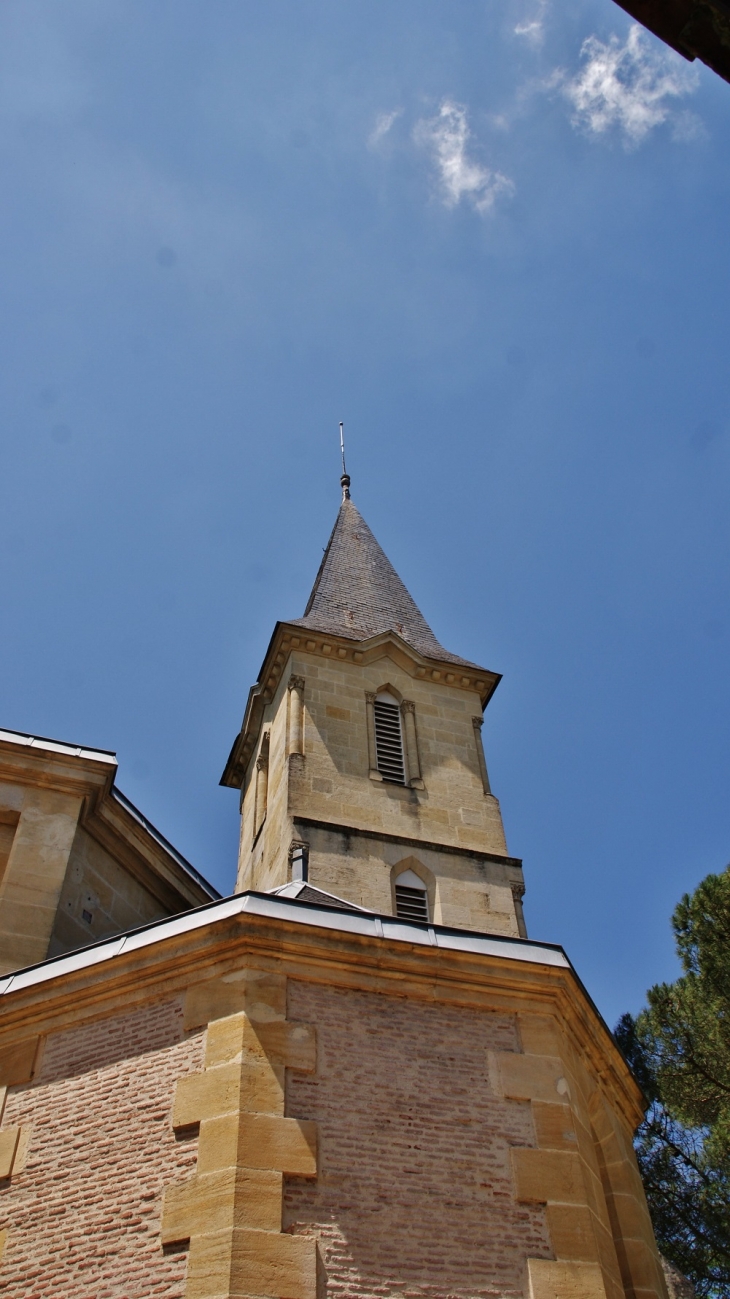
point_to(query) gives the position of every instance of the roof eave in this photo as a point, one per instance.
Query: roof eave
(694, 31)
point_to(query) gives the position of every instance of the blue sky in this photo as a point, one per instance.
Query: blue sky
(490, 237)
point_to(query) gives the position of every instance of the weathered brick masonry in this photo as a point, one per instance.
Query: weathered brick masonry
(415, 1193)
(84, 1214)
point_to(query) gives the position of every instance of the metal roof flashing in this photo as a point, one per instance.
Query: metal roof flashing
(365, 923)
(24, 740)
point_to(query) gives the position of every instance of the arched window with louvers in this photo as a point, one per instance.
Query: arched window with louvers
(389, 749)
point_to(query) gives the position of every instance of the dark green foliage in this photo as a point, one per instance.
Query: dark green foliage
(679, 1049)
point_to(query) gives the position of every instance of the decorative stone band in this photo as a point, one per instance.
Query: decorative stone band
(231, 1208)
(583, 1170)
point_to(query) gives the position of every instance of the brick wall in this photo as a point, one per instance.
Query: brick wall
(84, 1213)
(414, 1194)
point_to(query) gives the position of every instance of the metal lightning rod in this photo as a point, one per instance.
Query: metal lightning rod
(345, 479)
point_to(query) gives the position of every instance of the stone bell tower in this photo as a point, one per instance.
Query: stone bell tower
(356, 1078)
(360, 758)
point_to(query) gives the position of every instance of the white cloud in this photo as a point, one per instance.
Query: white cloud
(629, 86)
(383, 123)
(532, 27)
(446, 136)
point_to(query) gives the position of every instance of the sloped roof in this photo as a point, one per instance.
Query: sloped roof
(301, 891)
(357, 592)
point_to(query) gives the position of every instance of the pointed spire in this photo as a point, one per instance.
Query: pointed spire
(357, 592)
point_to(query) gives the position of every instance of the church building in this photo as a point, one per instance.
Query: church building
(357, 1077)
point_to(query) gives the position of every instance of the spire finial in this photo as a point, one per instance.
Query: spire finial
(345, 479)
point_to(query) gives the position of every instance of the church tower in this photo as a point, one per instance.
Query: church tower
(354, 1078)
(360, 759)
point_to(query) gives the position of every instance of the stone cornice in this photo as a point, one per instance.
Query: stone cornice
(49, 764)
(341, 949)
(426, 844)
(288, 638)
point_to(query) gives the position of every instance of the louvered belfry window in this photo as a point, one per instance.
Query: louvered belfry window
(389, 739)
(411, 898)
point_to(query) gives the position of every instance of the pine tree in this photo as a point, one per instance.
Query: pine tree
(679, 1048)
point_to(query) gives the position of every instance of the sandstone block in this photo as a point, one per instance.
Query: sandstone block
(259, 1141)
(642, 1264)
(230, 1197)
(279, 1042)
(543, 1176)
(259, 993)
(16, 1062)
(206, 1095)
(571, 1233)
(632, 1215)
(8, 1147)
(564, 1280)
(540, 1035)
(554, 1127)
(251, 1263)
(532, 1077)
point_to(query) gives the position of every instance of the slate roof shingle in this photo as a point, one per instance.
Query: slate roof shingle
(358, 594)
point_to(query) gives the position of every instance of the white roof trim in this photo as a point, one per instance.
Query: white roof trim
(278, 908)
(57, 746)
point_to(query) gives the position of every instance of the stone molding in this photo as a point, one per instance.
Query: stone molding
(428, 845)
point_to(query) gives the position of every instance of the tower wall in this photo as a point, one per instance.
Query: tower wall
(327, 798)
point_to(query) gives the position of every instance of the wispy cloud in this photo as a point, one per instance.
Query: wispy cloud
(628, 87)
(383, 123)
(532, 27)
(446, 137)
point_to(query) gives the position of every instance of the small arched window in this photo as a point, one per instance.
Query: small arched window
(389, 739)
(411, 898)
